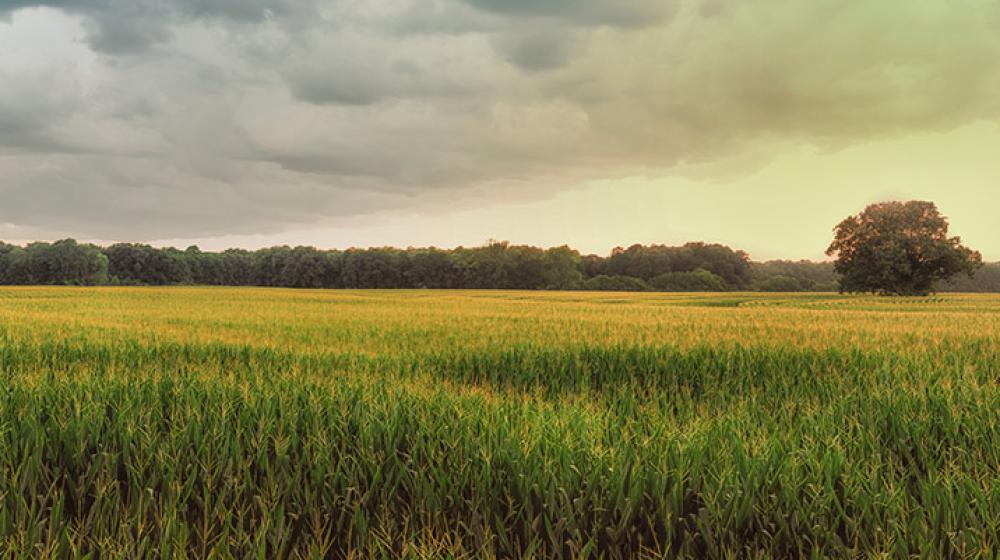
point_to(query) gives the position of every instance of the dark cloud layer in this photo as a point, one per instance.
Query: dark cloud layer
(142, 119)
(128, 26)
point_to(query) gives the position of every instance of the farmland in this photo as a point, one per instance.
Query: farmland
(239, 422)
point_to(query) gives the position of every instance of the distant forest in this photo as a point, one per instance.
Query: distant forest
(694, 267)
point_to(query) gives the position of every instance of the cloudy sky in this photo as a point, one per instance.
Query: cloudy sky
(596, 123)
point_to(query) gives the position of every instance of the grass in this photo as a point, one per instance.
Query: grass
(248, 423)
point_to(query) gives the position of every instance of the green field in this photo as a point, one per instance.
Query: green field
(256, 423)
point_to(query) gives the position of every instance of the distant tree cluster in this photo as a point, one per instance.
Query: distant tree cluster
(63, 262)
(694, 267)
(794, 276)
(497, 265)
(985, 280)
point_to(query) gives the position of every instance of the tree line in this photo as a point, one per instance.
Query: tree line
(497, 265)
(693, 267)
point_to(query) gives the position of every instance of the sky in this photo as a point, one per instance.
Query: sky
(593, 123)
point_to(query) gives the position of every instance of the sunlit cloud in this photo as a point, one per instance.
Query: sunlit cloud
(183, 120)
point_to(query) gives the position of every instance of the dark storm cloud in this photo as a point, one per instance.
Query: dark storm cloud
(128, 26)
(170, 118)
(343, 86)
(237, 10)
(538, 50)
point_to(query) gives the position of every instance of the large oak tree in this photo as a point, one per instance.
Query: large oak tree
(899, 248)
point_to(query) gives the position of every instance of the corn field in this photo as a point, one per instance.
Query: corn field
(269, 423)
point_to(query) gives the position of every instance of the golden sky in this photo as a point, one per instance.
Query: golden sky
(785, 209)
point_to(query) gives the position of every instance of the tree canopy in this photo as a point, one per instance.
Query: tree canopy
(495, 265)
(694, 267)
(64, 262)
(899, 248)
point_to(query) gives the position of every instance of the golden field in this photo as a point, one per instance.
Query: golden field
(226, 422)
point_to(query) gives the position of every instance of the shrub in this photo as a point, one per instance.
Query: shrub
(615, 284)
(696, 281)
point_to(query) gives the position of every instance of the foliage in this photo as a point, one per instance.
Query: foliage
(247, 423)
(145, 265)
(810, 276)
(696, 281)
(615, 283)
(64, 262)
(561, 269)
(781, 283)
(648, 262)
(899, 248)
(986, 279)
(498, 265)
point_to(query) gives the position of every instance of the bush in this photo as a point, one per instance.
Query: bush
(781, 283)
(615, 284)
(826, 287)
(697, 281)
